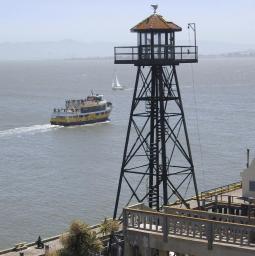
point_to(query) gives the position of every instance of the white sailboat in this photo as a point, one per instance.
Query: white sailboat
(116, 85)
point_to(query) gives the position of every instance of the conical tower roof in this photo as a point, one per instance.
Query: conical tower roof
(155, 22)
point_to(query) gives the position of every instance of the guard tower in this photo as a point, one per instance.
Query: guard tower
(157, 166)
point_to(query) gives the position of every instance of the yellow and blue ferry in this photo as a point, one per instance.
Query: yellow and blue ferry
(92, 109)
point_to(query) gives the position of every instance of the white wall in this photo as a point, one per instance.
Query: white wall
(248, 176)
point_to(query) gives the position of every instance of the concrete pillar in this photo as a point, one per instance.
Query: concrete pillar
(232, 210)
(47, 249)
(209, 234)
(203, 204)
(252, 237)
(163, 253)
(128, 249)
(145, 251)
(244, 210)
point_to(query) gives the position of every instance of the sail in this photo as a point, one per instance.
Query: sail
(116, 84)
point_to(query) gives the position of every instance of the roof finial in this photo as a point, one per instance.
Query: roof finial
(155, 7)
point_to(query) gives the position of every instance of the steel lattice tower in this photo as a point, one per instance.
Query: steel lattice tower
(157, 166)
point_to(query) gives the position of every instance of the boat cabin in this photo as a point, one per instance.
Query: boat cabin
(96, 97)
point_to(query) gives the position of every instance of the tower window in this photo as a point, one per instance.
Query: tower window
(252, 186)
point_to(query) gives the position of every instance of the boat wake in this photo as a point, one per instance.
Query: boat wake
(40, 128)
(28, 130)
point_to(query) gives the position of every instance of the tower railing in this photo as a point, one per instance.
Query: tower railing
(157, 54)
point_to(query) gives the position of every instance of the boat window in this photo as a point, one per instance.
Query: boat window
(93, 109)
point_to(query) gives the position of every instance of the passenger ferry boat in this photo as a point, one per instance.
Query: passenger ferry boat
(93, 109)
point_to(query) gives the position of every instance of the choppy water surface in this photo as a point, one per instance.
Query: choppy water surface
(51, 175)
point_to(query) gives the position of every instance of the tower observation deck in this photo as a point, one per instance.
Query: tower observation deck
(155, 45)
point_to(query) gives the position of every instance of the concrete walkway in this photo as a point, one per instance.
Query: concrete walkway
(53, 243)
(33, 251)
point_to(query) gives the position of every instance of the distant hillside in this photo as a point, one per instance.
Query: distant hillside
(220, 48)
(69, 49)
(54, 50)
(248, 53)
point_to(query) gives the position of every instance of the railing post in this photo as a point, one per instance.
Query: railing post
(216, 199)
(251, 236)
(144, 221)
(165, 228)
(203, 204)
(125, 221)
(210, 235)
(47, 249)
(139, 52)
(229, 201)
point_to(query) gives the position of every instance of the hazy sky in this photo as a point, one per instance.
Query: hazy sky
(110, 20)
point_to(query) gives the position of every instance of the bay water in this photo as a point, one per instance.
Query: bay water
(51, 175)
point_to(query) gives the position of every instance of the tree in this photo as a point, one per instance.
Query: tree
(80, 240)
(108, 226)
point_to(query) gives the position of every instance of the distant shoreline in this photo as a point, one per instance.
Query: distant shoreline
(202, 56)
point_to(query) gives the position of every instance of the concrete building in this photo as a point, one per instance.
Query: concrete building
(248, 180)
(223, 227)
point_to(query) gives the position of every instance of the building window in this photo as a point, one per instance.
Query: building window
(252, 185)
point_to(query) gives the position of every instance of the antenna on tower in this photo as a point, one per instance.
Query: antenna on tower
(155, 7)
(193, 27)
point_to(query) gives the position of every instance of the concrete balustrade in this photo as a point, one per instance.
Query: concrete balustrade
(210, 216)
(183, 226)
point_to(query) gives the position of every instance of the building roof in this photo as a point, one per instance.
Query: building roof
(155, 22)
